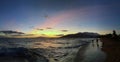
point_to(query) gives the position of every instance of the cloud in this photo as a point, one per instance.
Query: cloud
(42, 34)
(48, 28)
(64, 30)
(46, 16)
(40, 29)
(28, 34)
(12, 32)
(60, 35)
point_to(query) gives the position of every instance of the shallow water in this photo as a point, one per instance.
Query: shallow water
(55, 50)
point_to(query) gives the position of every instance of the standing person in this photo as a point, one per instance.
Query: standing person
(114, 34)
(93, 43)
(97, 42)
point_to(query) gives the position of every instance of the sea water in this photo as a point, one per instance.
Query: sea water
(55, 50)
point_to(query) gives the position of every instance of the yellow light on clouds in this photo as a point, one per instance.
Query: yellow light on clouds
(47, 33)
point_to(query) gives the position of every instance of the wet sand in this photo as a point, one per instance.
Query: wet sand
(91, 53)
(105, 50)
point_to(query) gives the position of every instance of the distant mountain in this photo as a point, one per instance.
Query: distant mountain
(82, 35)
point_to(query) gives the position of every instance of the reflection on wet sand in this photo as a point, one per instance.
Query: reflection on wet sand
(91, 52)
(105, 49)
(111, 49)
(96, 43)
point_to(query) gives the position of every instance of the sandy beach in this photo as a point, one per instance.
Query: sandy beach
(111, 49)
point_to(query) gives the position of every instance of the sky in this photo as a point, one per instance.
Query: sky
(60, 17)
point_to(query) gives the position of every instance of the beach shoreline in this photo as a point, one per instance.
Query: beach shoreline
(91, 52)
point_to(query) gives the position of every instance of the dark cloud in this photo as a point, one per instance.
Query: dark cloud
(60, 35)
(42, 34)
(28, 34)
(12, 32)
(48, 28)
(40, 29)
(64, 30)
(23, 35)
(46, 16)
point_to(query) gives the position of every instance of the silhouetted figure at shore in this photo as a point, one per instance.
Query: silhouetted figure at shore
(96, 40)
(97, 43)
(115, 36)
(93, 43)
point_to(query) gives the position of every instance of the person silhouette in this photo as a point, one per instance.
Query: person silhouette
(114, 34)
(97, 43)
(92, 43)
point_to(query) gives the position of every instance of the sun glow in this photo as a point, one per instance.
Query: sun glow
(47, 33)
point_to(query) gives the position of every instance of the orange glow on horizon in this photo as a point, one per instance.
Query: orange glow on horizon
(50, 33)
(46, 33)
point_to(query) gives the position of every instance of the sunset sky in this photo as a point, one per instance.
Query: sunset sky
(58, 17)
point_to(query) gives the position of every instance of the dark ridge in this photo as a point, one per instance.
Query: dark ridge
(82, 35)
